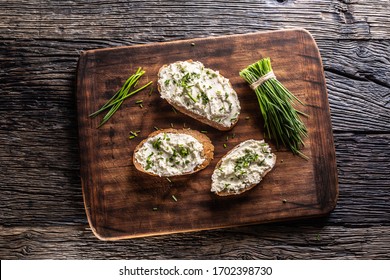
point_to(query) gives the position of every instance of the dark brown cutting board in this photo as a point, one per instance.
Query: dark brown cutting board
(121, 202)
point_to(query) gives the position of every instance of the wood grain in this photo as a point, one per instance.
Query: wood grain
(119, 200)
(326, 19)
(303, 241)
(42, 212)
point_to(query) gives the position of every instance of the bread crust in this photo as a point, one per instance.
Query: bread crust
(192, 114)
(208, 149)
(227, 193)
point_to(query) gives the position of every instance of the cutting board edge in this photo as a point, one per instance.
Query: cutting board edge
(194, 40)
(102, 237)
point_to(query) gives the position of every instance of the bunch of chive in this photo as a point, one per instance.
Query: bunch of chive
(281, 121)
(127, 90)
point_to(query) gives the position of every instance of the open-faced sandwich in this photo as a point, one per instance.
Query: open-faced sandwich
(199, 92)
(172, 152)
(242, 168)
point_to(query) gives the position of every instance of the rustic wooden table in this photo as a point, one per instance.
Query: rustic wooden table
(42, 211)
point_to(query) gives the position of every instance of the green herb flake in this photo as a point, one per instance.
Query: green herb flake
(150, 91)
(149, 162)
(166, 83)
(205, 98)
(157, 143)
(224, 145)
(204, 131)
(183, 151)
(135, 133)
(139, 101)
(245, 161)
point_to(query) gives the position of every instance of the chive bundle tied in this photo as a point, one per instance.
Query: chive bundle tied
(127, 90)
(281, 121)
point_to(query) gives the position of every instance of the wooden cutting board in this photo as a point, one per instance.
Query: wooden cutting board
(121, 202)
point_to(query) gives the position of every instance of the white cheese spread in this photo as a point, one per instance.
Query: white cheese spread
(170, 154)
(242, 167)
(200, 90)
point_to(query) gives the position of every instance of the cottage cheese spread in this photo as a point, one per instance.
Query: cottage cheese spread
(200, 90)
(244, 166)
(170, 154)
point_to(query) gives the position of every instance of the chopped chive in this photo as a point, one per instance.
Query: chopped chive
(233, 135)
(247, 118)
(131, 137)
(135, 133)
(227, 138)
(174, 110)
(224, 145)
(203, 131)
(174, 198)
(184, 124)
(156, 128)
(169, 180)
(140, 105)
(172, 125)
(139, 101)
(150, 91)
(155, 208)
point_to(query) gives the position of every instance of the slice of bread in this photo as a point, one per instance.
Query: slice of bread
(173, 152)
(242, 168)
(199, 92)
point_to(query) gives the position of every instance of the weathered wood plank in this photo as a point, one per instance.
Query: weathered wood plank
(291, 241)
(136, 20)
(52, 194)
(40, 74)
(39, 47)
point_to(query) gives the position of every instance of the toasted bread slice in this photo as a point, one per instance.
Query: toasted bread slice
(242, 168)
(199, 92)
(173, 152)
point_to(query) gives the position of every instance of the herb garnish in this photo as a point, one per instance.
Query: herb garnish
(281, 121)
(183, 151)
(205, 98)
(245, 161)
(185, 80)
(127, 90)
(156, 144)
(149, 162)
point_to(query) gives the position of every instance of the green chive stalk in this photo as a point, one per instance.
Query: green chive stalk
(281, 121)
(127, 90)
